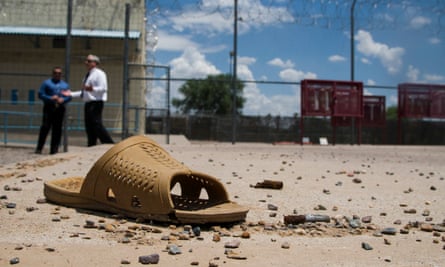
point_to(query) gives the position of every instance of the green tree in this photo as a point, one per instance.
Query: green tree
(212, 96)
(391, 113)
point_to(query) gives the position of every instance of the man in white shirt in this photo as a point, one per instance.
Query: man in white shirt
(94, 94)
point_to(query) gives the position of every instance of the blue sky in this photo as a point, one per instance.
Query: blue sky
(289, 40)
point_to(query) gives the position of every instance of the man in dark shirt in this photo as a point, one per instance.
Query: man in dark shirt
(51, 93)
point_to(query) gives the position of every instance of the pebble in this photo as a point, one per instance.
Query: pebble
(389, 231)
(404, 231)
(234, 255)
(245, 235)
(213, 264)
(232, 244)
(196, 231)
(149, 259)
(285, 245)
(426, 227)
(272, 207)
(366, 246)
(367, 219)
(11, 205)
(174, 249)
(439, 228)
(15, 260)
(41, 201)
(216, 237)
(125, 262)
(410, 211)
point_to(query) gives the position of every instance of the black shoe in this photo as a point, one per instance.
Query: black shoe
(38, 151)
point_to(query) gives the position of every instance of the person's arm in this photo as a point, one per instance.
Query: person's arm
(64, 96)
(71, 94)
(43, 95)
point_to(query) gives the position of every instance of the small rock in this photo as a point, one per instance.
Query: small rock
(232, 244)
(196, 231)
(320, 207)
(389, 231)
(174, 249)
(41, 201)
(125, 262)
(272, 207)
(439, 228)
(149, 259)
(285, 245)
(11, 205)
(357, 180)
(15, 260)
(404, 231)
(245, 235)
(110, 228)
(410, 211)
(367, 219)
(366, 246)
(426, 227)
(236, 256)
(216, 237)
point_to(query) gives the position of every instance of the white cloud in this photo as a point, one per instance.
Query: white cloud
(390, 57)
(336, 58)
(371, 82)
(169, 42)
(193, 64)
(412, 74)
(208, 22)
(434, 40)
(246, 60)
(278, 62)
(434, 78)
(392, 100)
(419, 22)
(365, 61)
(201, 22)
(292, 75)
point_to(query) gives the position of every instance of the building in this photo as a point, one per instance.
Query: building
(33, 37)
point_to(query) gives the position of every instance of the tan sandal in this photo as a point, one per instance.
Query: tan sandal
(139, 179)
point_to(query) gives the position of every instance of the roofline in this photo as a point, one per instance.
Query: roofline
(46, 31)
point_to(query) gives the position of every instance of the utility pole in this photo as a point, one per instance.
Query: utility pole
(352, 64)
(235, 41)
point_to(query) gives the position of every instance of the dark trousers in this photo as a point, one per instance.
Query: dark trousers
(52, 120)
(93, 123)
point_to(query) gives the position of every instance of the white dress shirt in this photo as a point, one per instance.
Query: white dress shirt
(98, 80)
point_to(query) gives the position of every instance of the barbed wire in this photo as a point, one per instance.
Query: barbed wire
(332, 14)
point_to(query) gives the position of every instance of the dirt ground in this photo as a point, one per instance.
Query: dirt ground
(386, 206)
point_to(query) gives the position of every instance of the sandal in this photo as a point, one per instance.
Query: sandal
(139, 179)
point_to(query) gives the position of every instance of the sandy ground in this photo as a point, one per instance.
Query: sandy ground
(384, 188)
